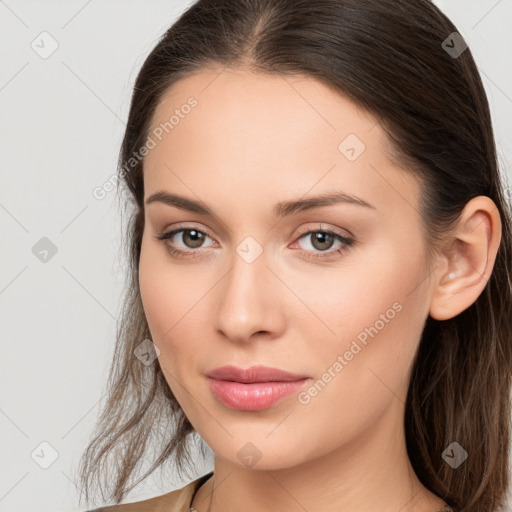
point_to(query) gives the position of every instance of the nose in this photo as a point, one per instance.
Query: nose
(249, 301)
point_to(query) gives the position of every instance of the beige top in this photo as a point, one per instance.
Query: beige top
(179, 500)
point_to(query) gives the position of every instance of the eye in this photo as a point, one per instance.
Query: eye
(191, 238)
(322, 240)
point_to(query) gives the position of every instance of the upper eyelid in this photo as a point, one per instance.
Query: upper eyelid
(327, 228)
(177, 229)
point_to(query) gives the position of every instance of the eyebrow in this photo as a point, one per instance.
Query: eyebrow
(281, 209)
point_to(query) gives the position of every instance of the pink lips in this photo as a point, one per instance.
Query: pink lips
(254, 388)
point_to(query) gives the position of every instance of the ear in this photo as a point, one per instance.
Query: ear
(465, 266)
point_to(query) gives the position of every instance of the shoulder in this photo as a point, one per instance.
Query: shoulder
(174, 501)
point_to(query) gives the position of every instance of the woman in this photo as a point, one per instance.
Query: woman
(320, 266)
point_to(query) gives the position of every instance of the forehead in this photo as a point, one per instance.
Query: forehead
(265, 105)
(266, 133)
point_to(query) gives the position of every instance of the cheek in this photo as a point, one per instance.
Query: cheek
(173, 297)
(339, 303)
(162, 289)
(162, 308)
(152, 290)
(371, 315)
(161, 295)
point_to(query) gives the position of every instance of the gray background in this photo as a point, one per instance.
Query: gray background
(62, 123)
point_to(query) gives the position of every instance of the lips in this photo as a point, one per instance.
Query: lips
(253, 374)
(255, 388)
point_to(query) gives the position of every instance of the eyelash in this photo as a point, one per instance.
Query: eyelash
(346, 243)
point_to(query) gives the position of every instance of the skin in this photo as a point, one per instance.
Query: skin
(251, 142)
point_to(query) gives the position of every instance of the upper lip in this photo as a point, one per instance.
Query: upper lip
(253, 374)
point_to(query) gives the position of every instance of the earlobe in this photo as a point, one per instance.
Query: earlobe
(466, 265)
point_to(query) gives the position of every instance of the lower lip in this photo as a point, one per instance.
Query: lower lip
(255, 396)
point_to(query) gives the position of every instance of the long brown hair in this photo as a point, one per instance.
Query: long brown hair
(390, 57)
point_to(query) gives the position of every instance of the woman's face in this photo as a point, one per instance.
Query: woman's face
(259, 281)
